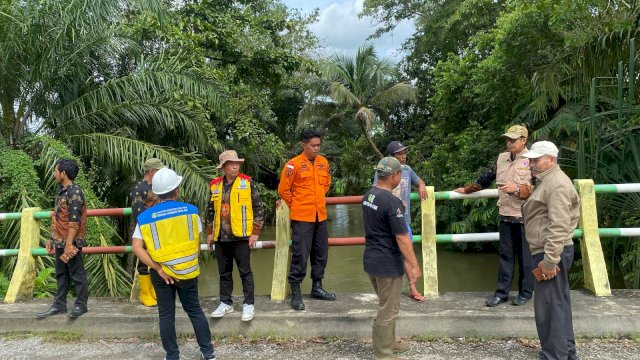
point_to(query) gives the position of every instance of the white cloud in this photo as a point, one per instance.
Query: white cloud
(340, 29)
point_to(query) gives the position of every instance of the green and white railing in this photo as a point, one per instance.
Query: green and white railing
(596, 278)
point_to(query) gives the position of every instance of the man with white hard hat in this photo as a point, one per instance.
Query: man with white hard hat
(170, 230)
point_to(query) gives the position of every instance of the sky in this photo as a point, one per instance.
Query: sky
(340, 29)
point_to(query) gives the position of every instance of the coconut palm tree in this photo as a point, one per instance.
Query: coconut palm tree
(361, 88)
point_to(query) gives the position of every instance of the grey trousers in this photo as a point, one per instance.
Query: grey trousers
(552, 305)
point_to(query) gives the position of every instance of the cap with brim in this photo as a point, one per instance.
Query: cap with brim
(153, 163)
(395, 147)
(229, 155)
(388, 166)
(516, 132)
(542, 148)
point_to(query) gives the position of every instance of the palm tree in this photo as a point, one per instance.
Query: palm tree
(362, 88)
(60, 74)
(71, 73)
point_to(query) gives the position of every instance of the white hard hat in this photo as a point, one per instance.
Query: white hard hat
(164, 181)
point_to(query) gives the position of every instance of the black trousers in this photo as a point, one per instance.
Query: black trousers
(552, 305)
(188, 292)
(143, 269)
(226, 252)
(65, 274)
(513, 244)
(308, 238)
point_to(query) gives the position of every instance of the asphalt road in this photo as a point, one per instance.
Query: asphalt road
(52, 347)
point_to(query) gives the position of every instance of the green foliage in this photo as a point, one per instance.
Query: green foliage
(18, 180)
(359, 89)
(4, 284)
(19, 189)
(45, 284)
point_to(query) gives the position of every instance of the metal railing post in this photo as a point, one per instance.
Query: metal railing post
(24, 274)
(596, 278)
(429, 256)
(281, 254)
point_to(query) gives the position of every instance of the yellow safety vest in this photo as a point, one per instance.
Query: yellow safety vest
(170, 233)
(240, 206)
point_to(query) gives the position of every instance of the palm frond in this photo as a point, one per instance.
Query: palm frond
(128, 155)
(402, 92)
(343, 96)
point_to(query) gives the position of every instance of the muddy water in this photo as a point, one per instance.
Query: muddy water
(344, 274)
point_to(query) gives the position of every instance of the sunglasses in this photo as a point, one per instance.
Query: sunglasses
(509, 140)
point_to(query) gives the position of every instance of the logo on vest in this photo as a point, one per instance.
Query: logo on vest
(243, 184)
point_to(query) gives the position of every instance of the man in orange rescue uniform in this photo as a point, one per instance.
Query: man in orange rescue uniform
(304, 182)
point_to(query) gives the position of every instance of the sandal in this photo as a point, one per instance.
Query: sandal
(417, 297)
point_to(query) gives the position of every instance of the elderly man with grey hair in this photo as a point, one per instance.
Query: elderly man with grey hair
(550, 216)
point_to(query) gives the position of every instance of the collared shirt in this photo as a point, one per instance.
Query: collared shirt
(225, 214)
(70, 212)
(551, 215)
(509, 168)
(403, 190)
(303, 185)
(141, 198)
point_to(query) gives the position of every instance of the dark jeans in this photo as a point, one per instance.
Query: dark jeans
(552, 306)
(308, 238)
(512, 245)
(188, 292)
(65, 273)
(226, 252)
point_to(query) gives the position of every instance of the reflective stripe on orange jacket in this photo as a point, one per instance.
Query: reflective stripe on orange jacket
(303, 186)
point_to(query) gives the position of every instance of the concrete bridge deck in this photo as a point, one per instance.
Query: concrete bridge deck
(450, 315)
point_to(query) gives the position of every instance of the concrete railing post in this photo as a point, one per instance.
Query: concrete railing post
(24, 274)
(134, 296)
(596, 278)
(281, 254)
(429, 256)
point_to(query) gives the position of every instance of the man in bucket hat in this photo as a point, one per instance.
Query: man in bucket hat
(142, 198)
(513, 177)
(234, 221)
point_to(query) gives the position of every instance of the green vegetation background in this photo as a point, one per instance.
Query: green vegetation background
(113, 83)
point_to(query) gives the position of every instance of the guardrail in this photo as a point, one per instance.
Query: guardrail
(595, 270)
(596, 278)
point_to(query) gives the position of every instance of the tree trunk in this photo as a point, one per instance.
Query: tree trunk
(369, 139)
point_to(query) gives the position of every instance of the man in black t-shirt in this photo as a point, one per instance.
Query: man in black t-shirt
(387, 248)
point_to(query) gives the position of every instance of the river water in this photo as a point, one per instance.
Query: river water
(457, 271)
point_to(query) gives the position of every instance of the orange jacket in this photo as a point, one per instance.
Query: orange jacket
(303, 186)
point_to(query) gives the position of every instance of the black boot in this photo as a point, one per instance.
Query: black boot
(296, 297)
(319, 293)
